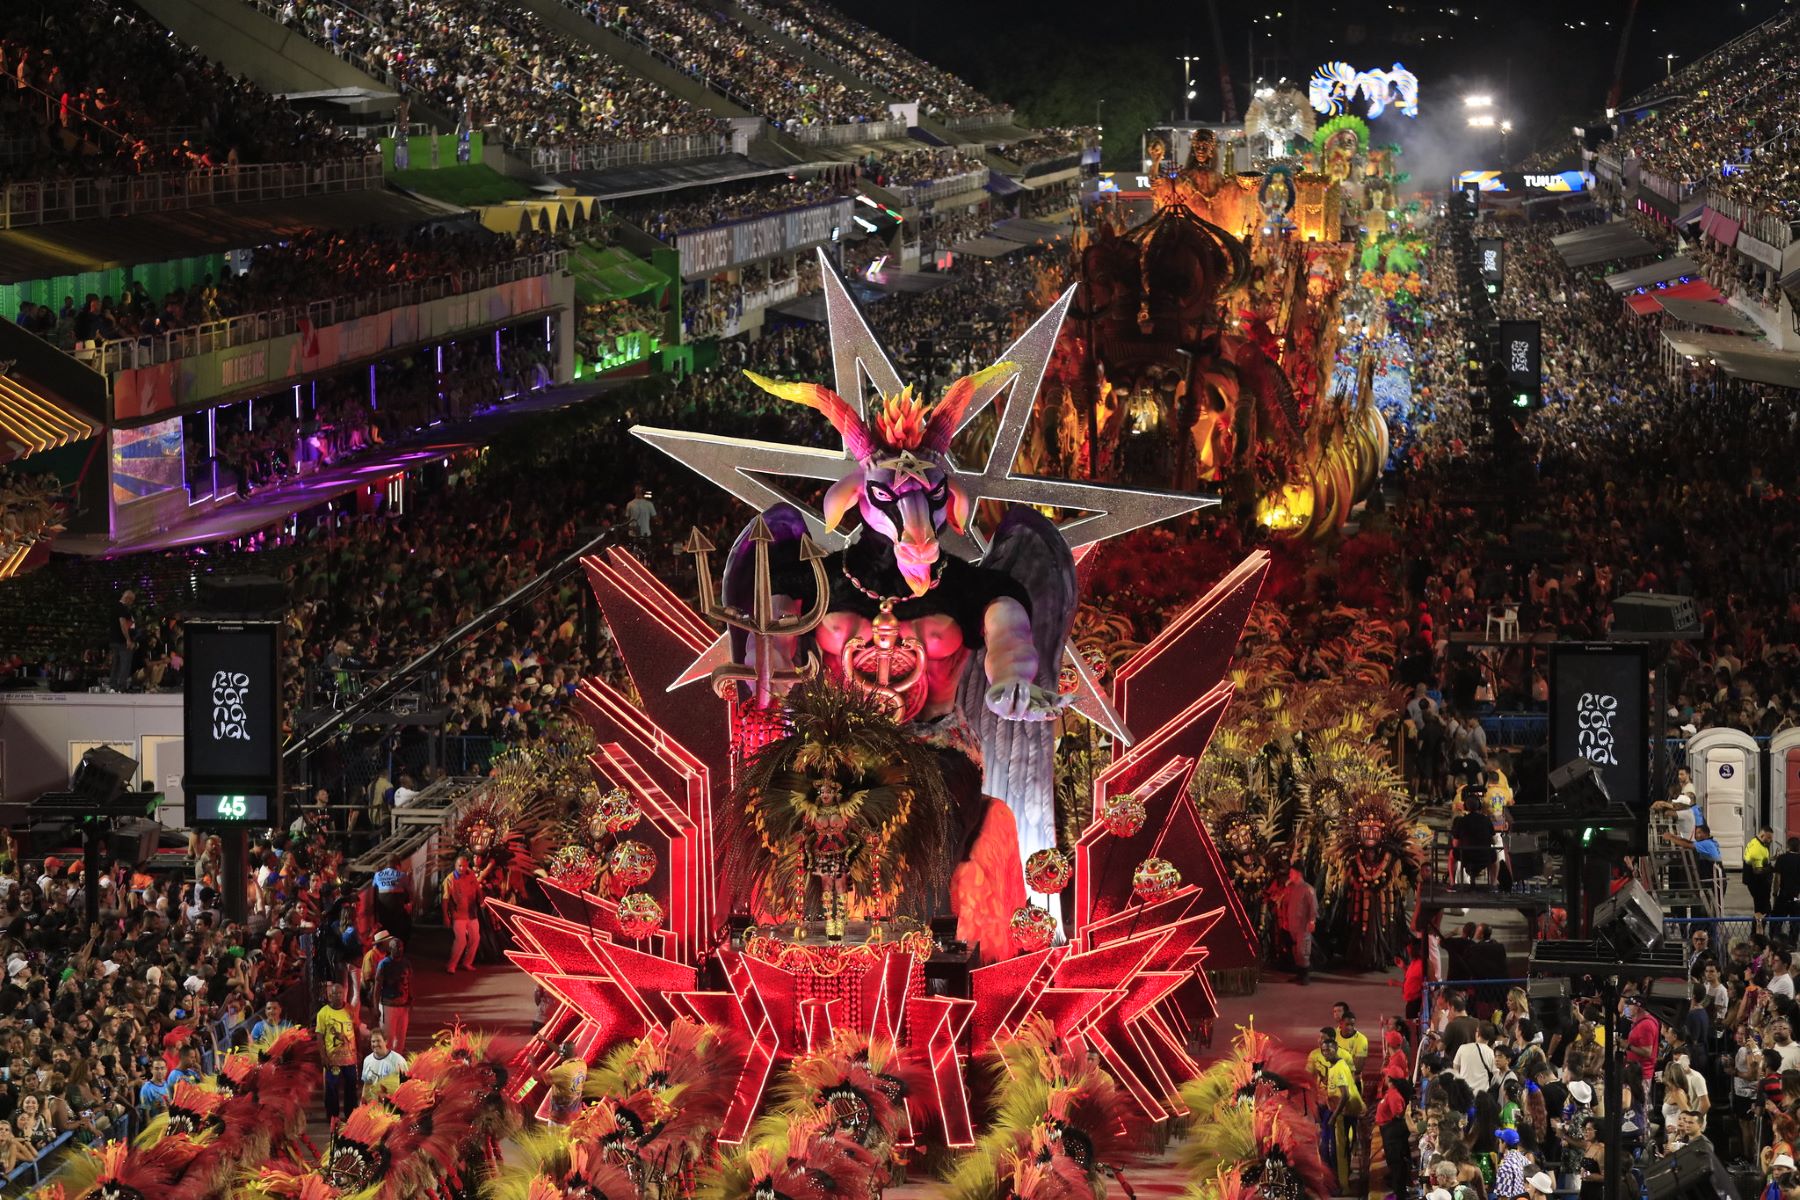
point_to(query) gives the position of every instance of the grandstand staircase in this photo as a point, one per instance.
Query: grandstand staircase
(773, 145)
(277, 59)
(939, 133)
(1670, 874)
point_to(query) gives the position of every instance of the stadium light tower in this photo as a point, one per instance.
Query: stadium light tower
(1478, 100)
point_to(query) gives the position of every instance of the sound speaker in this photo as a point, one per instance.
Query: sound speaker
(1687, 1172)
(1655, 614)
(133, 840)
(101, 775)
(242, 595)
(1548, 1001)
(1629, 923)
(1579, 788)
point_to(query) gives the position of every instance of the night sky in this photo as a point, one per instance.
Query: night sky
(1054, 59)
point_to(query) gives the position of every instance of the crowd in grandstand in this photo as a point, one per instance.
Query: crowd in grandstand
(663, 218)
(97, 88)
(1046, 145)
(308, 268)
(868, 55)
(102, 1013)
(484, 63)
(730, 58)
(1732, 122)
(411, 392)
(917, 166)
(709, 311)
(1622, 520)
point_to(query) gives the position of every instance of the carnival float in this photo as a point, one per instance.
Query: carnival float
(1206, 344)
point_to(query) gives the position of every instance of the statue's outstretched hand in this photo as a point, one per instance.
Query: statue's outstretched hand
(1020, 700)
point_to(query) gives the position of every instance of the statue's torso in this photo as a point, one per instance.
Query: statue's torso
(938, 635)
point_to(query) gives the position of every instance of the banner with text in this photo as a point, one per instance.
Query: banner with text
(705, 251)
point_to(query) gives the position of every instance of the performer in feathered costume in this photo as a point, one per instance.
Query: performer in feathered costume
(659, 1100)
(1251, 1132)
(1259, 1068)
(1370, 871)
(1263, 1148)
(213, 1128)
(1060, 1121)
(847, 798)
(557, 1166)
(810, 1161)
(436, 1135)
(968, 657)
(858, 1087)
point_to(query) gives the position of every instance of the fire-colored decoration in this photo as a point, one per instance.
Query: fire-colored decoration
(1033, 927)
(1123, 815)
(1316, 209)
(575, 867)
(1048, 871)
(1155, 879)
(639, 916)
(631, 864)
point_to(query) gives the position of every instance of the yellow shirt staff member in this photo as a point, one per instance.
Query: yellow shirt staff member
(1758, 878)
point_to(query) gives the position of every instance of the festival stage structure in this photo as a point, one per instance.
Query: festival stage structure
(944, 621)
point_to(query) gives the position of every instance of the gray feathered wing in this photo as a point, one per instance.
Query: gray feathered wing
(1019, 764)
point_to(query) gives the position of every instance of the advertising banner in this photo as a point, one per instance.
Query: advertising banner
(1599, 710)
(141, 391)
(232, 706)
(705, 251)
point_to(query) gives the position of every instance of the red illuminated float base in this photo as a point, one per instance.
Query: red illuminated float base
(1131, 982)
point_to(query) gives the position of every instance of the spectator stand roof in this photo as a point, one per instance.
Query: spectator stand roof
(988, 247)
(1711, 314)
(1652, 273)
(1739, 357)
(812, 308)
(1646, 303)
(651, 179)
(47, 251)
(1601, 243)
(1032, 233)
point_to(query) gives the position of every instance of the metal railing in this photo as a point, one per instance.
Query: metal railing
(1768, 227)
(676, 148)
(937, 189)
(844, 135)
(1672, 190)
(122, 354)
(51, 201)
(982, 120)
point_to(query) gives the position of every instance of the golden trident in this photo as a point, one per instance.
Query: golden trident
(761, 622)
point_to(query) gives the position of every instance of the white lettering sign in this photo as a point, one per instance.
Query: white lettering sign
(1593, 723)
(229, 691)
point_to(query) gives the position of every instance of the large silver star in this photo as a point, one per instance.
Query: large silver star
(752, 470)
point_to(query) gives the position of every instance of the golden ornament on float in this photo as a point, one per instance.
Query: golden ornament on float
(630, 864)
(575, 867)
(639, 915)
(1123, 815)
(618, 810)
(1033, 927)
(1155, 879)
(1048, 871)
